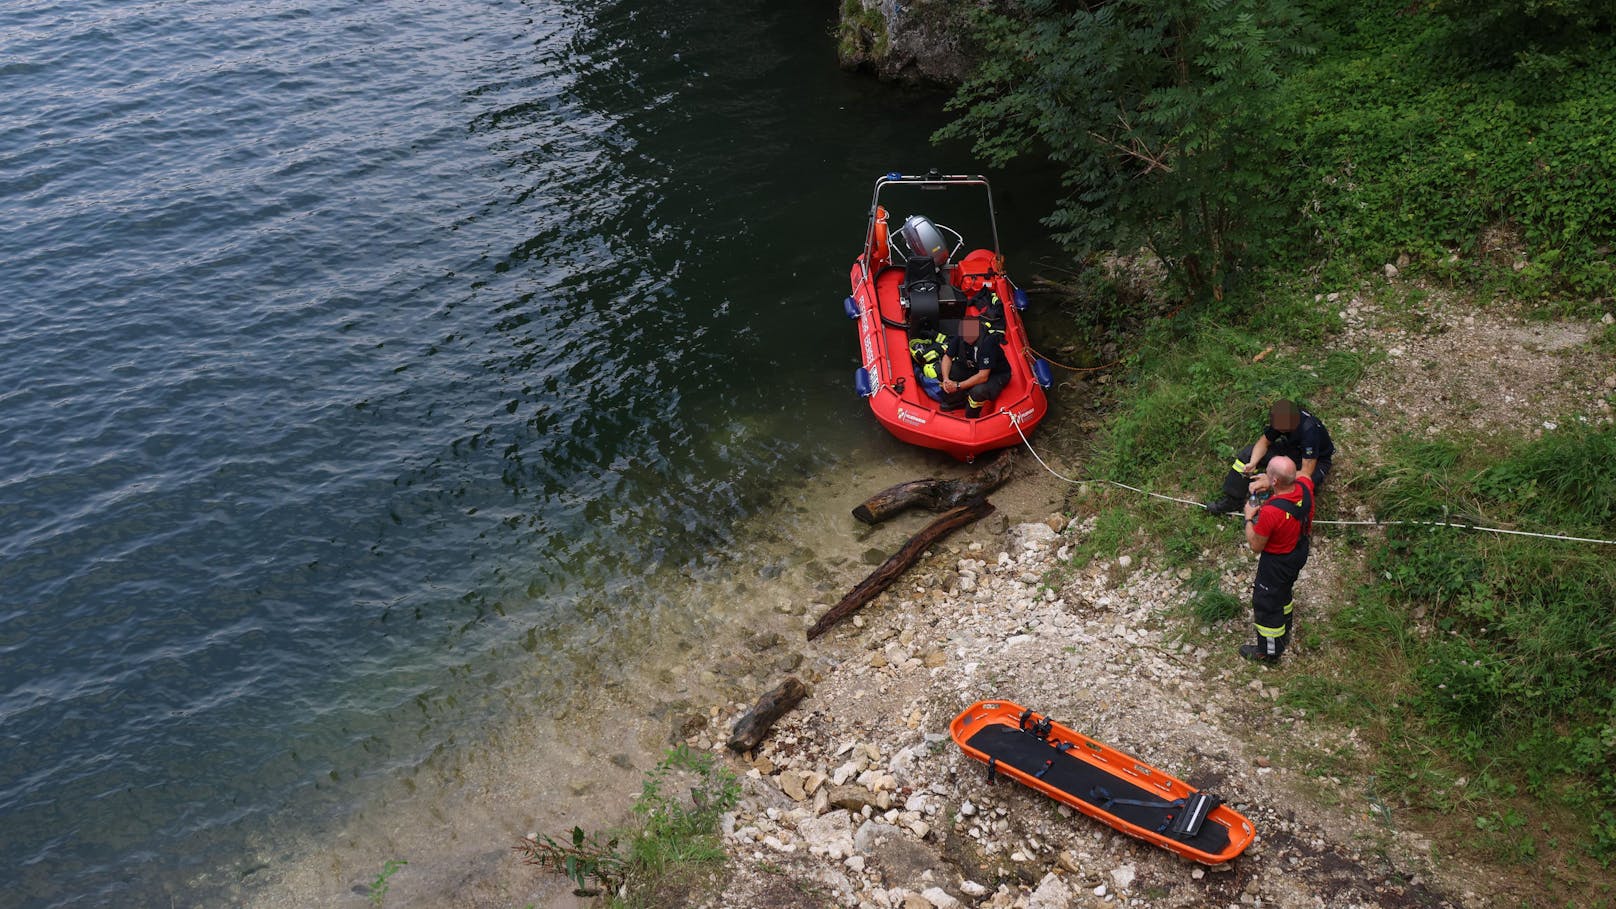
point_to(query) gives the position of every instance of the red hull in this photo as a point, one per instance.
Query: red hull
(909, 413)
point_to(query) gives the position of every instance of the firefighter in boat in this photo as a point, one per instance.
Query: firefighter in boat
(975, 368)
(929, 346)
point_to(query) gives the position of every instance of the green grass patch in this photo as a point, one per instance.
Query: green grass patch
(1209, 602)
(1113, 528)
(1515, 675)
(1195, 391)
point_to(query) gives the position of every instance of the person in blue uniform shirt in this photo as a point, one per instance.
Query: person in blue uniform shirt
(1291, 432)
(975, 369)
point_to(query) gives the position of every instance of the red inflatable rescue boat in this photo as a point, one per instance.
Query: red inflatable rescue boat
(913, 286)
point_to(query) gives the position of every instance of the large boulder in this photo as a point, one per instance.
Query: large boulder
(1026, 537)
(923, 42)
(899, 860)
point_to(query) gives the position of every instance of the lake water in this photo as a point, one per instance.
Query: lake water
(386, 383)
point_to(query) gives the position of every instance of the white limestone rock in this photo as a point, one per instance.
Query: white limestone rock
(1052, 893)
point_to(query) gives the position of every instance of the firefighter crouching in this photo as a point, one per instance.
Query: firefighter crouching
(1279, 530)
(1292, 432)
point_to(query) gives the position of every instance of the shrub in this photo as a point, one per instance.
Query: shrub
(674, 840)
(1156, 111)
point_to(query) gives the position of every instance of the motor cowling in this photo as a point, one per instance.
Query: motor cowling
(922, 238)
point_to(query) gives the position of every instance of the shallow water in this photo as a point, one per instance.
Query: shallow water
(383, 382)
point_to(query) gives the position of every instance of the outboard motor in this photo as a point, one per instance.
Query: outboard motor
(924, 239)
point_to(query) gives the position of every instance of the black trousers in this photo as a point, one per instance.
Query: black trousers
(1235, 483)
(976, 395)
(1273, 596)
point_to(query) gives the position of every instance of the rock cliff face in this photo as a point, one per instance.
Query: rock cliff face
(920, 42)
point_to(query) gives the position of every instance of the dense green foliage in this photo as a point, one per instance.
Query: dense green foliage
(1157, 109)
(1404, 147)
(1223, 134)
(1505, 32)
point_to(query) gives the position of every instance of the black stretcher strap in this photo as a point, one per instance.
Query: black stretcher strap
(1189, 820)
(1099, 795)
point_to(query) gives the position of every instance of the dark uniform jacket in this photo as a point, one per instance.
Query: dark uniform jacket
(987, 353)
(1308, 441)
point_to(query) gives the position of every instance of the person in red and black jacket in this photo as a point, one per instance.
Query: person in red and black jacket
(1279, 529)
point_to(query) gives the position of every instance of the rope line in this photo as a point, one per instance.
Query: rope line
(1375, 523)
(1517, 533)
(1027, 349)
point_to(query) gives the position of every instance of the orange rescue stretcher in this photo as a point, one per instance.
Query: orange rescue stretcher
(1100, 781)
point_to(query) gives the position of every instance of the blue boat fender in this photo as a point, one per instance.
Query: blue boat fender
(862, 383)
(1020, 297)
(850, 306)
(1040, 371)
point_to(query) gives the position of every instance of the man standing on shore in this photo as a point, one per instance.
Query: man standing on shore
(1279, 530)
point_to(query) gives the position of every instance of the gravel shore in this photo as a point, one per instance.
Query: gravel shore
(859, 798)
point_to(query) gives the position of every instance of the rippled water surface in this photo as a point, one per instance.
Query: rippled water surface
(364, 364)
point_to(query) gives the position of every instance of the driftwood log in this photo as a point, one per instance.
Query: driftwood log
(750, 730)
(935, 494)
(894, 567)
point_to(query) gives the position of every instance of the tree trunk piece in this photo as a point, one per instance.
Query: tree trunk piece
(894, 567)
(750, 730)
(935, 494)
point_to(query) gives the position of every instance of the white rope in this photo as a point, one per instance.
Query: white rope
(1154, 495)
(1016, 422)
(1518, 533)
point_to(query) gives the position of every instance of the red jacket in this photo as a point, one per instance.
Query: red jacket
(1281, 529)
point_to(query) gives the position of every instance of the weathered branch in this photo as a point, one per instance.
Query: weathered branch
(750, 730)
(894, 567)
(935, 494)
